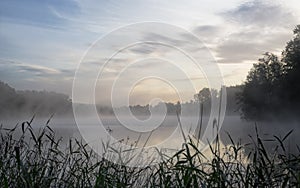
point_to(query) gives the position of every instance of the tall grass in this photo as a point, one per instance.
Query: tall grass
(31, 158)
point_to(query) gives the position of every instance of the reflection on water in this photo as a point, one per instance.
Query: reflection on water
(169, 133)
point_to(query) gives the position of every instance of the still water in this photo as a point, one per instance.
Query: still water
(168, 134)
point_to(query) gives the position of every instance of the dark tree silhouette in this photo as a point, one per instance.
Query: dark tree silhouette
(290, 84)
(272, 86)
(205, 95)
(258, 96)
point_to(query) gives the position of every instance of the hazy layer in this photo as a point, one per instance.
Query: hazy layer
(237, 128)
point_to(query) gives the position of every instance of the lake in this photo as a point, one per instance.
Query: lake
(168, 133)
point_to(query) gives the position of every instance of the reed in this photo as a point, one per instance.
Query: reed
(38, 159)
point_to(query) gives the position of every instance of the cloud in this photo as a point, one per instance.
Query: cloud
(163, 38)
(37, 69)
(158, 47)
(30, 76)
(207, 31)
(158, 43)
(250, 45)
(256, 27)
(142, 49)
(262, 14)
(189, 79)
(33, 69)
(99, 63)
(165, 42)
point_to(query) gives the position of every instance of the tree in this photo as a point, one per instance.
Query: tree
(272, 85)
(258, 97)
(205, 95)
(291, 87)
(291, 54)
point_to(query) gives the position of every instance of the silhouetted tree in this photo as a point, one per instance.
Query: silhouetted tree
(272, 86)
(232, 105)
(291, 87)
(205, 96)
(258, 96)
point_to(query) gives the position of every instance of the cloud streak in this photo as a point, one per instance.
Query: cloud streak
(31, 68)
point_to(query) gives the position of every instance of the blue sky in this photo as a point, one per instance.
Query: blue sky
(42, 42)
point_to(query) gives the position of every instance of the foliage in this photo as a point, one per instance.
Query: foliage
(30, 158)
(271, 88)
(258, 96)
(41, 103)
(290, 83)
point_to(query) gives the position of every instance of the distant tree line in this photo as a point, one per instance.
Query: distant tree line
(272, 87)
(40, 103)
(192, 107)
(15, 103)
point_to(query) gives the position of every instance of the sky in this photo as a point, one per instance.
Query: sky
(42, 43)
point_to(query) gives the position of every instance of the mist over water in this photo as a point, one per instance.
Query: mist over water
(168, 132)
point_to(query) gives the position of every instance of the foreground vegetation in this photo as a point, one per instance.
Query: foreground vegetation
(38, 159)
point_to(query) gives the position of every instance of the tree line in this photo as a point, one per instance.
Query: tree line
(192, 107)
(15, 103)
(28, 103)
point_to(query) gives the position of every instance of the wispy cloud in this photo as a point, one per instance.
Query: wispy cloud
(262, 14)
(38, 70)
(250, 30)
(30, 68)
